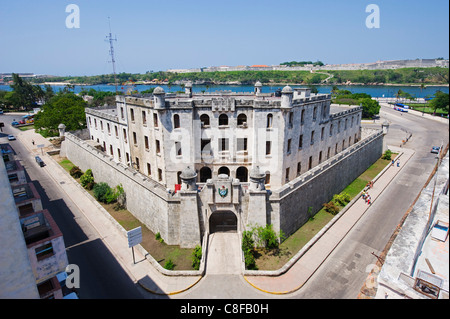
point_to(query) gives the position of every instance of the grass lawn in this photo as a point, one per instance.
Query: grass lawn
(162, 252)
(275, 259)
(26, 128)
(427, 109)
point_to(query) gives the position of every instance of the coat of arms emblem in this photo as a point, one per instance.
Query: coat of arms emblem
(223, 191)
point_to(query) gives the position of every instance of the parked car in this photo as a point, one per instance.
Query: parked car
(435, 149)
(11, 137)
(39, 161)
(15, 123)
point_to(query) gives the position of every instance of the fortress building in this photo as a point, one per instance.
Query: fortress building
(197, 163)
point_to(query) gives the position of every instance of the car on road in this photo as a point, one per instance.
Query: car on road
(435, 149)
(401, 109)
(11, 137)
(15, 123)
(39, 161)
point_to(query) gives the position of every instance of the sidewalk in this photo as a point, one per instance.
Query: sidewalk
(109, 231)
(294, 278)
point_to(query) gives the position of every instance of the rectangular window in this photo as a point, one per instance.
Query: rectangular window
(132, 114)
(125, 135)
(118, 154)
(312, 137)
(320, 157)
(121, 113)
(149, 169)
(137, 163)
(291, 119)
(206, 145)
(300, 141)
(268, 147)
(287, 175)
(241, 144)
(310, 162)
(223, 144)
(116, 130)
(155, 120)
(315, 114)
(158, 147)
(178, 148)
(302, 118)
(109, 128)
(299, 168)
(144, 118)
(134, 138)
(44, 251)
(289, 146)
(159, 174)
(322, 134)
(147, 146)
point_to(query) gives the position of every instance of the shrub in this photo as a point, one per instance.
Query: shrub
(387, 155)
(196, 257)
(103, 193)
(158, 237)
(76, 172)
(248, 245)
(267, 238)
(331, 208)
(169, 265)
(341, 199)
(87, 179)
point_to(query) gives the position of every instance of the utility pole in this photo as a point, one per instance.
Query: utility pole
(110, 39)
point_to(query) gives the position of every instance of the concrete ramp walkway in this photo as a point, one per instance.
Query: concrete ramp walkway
(224, 254)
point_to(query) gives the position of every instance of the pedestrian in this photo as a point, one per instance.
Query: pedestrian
(364, 194)
(32, 142)
(398, 163)
(368, 199)
(393, 162)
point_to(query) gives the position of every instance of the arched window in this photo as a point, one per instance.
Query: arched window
(242, 174)
(205, 174)
(269, 120)
(242, 118)
(204, 118)
(176, 121)
(223, 119)
(224, 170)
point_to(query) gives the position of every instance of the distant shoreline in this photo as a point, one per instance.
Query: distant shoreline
(266, 84)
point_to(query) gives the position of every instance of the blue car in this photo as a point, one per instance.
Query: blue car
(14, 123)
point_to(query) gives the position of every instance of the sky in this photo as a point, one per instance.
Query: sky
(159, 35)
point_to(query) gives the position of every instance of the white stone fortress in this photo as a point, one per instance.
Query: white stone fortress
(194, 163)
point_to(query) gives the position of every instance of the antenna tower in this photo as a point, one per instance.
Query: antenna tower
(110, 39)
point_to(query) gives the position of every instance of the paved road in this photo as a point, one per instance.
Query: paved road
(101, 276)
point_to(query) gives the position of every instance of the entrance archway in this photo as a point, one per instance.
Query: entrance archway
(225, 221)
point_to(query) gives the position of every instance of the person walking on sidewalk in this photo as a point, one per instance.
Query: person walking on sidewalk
(368, 199)
(398, 163)
(32, 142)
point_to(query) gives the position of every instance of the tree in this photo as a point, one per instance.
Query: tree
(440, 101)
(64, 108)
(24, 94)
(370, 107)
